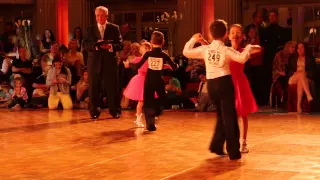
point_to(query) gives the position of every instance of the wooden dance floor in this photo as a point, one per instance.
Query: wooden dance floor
(46, 144)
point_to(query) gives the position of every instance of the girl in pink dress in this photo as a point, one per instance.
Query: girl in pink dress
(134, 90)
(245, 102)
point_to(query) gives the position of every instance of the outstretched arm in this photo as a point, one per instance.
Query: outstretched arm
(143, 60)
(173, 65)
(244, 55)
(194, 53)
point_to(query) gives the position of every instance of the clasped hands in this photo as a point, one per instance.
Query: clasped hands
(198, 37)
(60, 80)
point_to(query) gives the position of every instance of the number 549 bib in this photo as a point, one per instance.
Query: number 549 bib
(155, 63)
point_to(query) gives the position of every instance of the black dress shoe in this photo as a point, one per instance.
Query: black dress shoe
(116, 116)
(151, 128)
(235, 156)
(95, 115)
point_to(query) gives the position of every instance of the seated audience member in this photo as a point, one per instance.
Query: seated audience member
(82, 90)
(5, 71)
(54, 50)
(10, 46)
(124, 54)
(74, 58)
(173, 90)
(279, 69)
(18, 94)
(5, 97)
(202, 101)
(195, 65)
(181, 73)
(36, 66)
(23, 66)
(41, 90)
(13, 77)
(59, 81)
(46, 41)
(73, 67)
(78, 36)
(301, 71)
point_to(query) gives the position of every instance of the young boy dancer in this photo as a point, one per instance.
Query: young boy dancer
(153, 82)
(220, 87)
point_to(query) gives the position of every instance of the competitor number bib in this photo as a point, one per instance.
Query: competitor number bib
(155, 63)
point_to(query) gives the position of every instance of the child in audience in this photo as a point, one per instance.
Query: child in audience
(18, 94)
(82, 90)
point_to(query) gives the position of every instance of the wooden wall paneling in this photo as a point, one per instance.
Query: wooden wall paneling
(189, 24)
(46, 16)
(228, 10)
(207, 17)
(138, 26)
(16, 1)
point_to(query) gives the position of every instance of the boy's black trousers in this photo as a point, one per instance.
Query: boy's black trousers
(221, 92)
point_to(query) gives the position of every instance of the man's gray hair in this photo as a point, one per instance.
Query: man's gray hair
(102, 8)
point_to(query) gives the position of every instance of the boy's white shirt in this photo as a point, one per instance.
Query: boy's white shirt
(217, 56)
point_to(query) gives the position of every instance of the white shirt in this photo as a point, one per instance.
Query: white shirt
(217, 56)
(104, 29)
